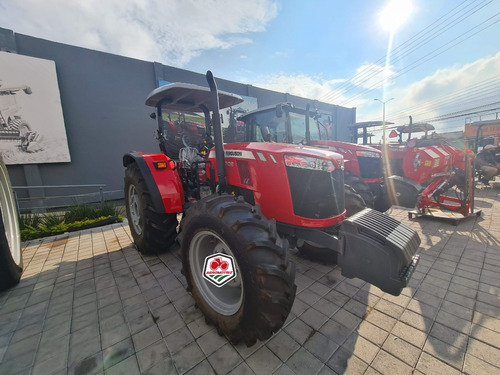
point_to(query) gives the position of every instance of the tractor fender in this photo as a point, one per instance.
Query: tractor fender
(402, 191)
(164, 185)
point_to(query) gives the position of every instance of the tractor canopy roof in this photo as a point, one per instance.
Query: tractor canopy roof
(279, 107)
(415, 128)
(369, 124)
(186, 97)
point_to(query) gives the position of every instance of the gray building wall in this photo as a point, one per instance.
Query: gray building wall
(102, 97)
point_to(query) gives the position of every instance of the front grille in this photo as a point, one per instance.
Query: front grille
(316, 194)
(370, 167)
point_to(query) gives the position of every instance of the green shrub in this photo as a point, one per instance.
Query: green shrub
(30, 220)
(30, 233)
(76, 218)
(83, 212)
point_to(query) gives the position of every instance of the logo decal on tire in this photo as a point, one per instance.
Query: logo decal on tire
(219, 269)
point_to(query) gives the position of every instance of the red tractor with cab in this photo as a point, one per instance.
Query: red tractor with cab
(242, 203)
(363, 174)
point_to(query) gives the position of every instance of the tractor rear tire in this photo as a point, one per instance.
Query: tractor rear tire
(11, 264)
(360, 187)
(257, 302)
(153, 232)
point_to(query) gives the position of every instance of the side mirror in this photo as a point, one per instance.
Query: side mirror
(153, 115)
(279, 111)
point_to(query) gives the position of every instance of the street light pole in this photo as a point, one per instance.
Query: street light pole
(385, 159)
(383, 118)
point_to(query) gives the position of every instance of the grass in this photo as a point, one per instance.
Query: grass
(75, 218)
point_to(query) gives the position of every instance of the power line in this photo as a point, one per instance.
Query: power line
(400, 52)
(428, 56)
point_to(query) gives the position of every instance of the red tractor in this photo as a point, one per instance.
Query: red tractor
(423, 169)
(284, 122)
(241, 203)
(178, 133)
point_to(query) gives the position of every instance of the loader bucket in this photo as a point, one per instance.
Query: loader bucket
(378, 249)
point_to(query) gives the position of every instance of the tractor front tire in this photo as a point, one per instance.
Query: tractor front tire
(11, 264)
(153, 232)
(360, 187)
(353, 201)
(257, 302)
(317, 253)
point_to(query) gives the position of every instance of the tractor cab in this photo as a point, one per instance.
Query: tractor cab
(289, 124)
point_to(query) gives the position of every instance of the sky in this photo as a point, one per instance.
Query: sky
(440, 65)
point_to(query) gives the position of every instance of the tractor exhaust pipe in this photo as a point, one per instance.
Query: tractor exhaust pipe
(308, 130)
(217, 130)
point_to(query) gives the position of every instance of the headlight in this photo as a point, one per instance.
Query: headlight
(308, 162)
(368, 154)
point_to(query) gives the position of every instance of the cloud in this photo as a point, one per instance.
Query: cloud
(169, 31)
(450, 90)
(297, 84)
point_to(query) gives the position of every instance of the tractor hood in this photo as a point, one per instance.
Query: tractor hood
(254, 150)
(344, 147)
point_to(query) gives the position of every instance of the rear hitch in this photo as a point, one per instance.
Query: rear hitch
(378, 249)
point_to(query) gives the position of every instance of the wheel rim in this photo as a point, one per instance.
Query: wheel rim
(225, 300)
(134, 208)
(9, 216)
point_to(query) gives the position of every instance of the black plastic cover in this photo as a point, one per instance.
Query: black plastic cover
(378, 249)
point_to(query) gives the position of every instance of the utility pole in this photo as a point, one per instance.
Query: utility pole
(385, 159)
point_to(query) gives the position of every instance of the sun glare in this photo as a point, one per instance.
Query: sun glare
(395, 14)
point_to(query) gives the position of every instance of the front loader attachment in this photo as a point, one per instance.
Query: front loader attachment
(378, 249)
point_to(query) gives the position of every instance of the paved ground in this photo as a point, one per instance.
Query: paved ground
(90, 303)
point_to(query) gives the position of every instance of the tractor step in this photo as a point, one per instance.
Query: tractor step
(378, 249)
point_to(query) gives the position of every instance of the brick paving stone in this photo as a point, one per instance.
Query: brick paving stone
(146, 337)
(484, 352)
(211, 341)
(303, 362)
(226, 358)
(476, 366)
(428, 364)
(127, 366)
(202, 368)
(385, 363)
(299, 331)
(402, 350)
(417, 321)
(389, 308)
(188, 357)
(343, 362)
(93, 364)
(319, 345)
(263, 361)
(335, 331)
(283, 345)
(117, 353)
(373, 333)
(361, 347)
(313, 318)
(153, 355)
(449, 354)
(449, 336)
(485, 335)
(382, 320)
